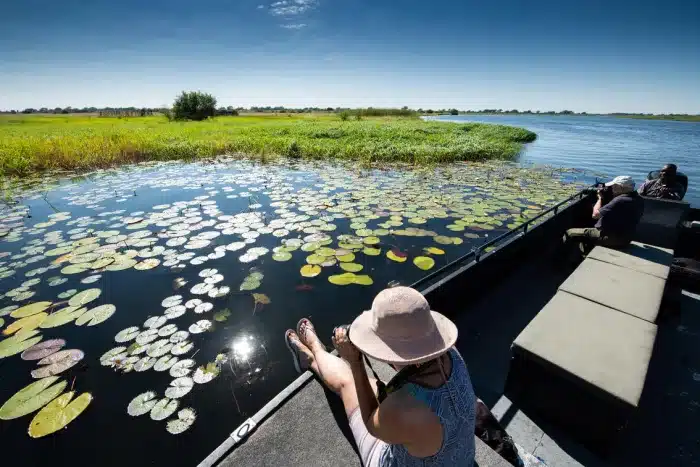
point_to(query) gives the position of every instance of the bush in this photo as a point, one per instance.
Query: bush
(454, 112)
(194, 106)
(344, 115)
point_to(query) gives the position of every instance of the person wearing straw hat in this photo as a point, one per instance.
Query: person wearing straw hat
(425, 415)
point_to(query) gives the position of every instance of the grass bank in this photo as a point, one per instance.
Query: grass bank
(39, 142)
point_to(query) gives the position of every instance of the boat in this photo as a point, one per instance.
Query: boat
(498, 294)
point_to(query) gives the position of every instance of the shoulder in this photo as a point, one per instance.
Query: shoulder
(402, 408)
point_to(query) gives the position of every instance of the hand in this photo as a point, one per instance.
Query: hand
(345, 348)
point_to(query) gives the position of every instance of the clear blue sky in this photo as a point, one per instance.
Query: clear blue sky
(583, 55)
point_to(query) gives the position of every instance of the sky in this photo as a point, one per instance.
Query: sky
(581, 55)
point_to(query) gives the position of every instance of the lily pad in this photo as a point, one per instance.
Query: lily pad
(58, 413)
(58, 363)
(86, 296)
(204, 374)
(125, 335)
(142, 404)
(165, 362)
(155, 322)
(179, 387)
(351, 267)
(261, 298)
(185, 419)
(434, 251)
(164, 408)
(26, 324)
(182, 368)
(31, 309)
(200, 326)
(96, 315)
(392, 255)
(310, 270)
(63, 316)
(424, 262)
(31, 398)
(182, 348)
(372, 251)
(145, 363)
(43, 349)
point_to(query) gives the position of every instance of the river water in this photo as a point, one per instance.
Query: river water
(608, 146)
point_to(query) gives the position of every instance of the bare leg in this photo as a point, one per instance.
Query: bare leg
(333, 371)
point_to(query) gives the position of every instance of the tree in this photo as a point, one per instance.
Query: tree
(454, 112)
(194, 105)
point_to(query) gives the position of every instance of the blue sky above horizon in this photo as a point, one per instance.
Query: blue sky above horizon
(595, 56)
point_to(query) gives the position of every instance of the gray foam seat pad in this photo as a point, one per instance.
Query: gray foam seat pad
(639, 257)
(623, 289)
(603, 347)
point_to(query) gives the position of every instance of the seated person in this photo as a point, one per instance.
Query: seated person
(618, 211)
(665, 187)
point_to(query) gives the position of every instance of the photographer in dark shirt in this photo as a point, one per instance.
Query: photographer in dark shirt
(666, 186)
(617, 211)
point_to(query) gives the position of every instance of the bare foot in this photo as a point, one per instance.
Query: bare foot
(307, 335)
(306, 356)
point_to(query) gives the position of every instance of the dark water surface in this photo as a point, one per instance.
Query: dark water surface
(608, 145)
(194, 217)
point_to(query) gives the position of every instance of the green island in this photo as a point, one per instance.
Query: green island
(37, 142)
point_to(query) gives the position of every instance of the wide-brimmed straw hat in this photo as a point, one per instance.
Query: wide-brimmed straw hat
(402, 329)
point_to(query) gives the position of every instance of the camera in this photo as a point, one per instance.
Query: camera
(605, 192)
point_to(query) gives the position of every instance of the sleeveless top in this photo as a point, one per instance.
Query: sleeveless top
(455, 404)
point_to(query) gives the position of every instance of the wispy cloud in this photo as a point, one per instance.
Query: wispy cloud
(293, 26)
(292, 7)
(260, 7)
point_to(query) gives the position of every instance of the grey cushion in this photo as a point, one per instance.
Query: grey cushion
(632, 292)
(607, 349)
(639, 257)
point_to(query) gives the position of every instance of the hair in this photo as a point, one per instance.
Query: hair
(672, 168)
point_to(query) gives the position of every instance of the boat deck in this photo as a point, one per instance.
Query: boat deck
(311, 428)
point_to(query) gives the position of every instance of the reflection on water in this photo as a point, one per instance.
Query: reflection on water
(175, 283)
(608, 146)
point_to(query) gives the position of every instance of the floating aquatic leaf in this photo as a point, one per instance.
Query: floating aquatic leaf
(167, 330)
(201, 288)
(424, 262)
(346, 258)
(147, 336)
(249, 284)
(171, 301)
(200, 326)
(222, 315)
(342, 279)
(26, 324)
(135, 348)
(63, 316)
(175, 311)
(58, 413)
(371, 240)
(155, 322)
(393, 255)
(43, 349)
(86, 296)
(31, 398)
(434, 251)
(351, 267)
(142, 404)
(204, 374)
(179, 387)
(165, 362)
(310, 270)
(31, 309)
(363, 280)
(282, 256)
(218, 292)
(181, 348)
(159, 348)
(164, 408)
(443, 240)
(208, 272)
(125, 335)
(185, 419)
(147, 264)
(178, 283)
(67, 293)
(146, 363)
(96, 315)
(106, 358)
(58, 363)
(179, 336)
(261, 298)
(182, 368)
(372, 251)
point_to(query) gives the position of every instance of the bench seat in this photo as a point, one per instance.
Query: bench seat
(639, 257)
(632, 292)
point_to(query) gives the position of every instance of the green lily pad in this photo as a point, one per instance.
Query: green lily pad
(394, 257)
(434, 251)
(58, 413)
(31, 398)
(61, 317)
(424, 262)
(20, 342)
(26, 324)
(351, 267)
(310, 270)
(372, 251)
(96, 315)
(86, 296)
(282, 256)
(31, 309)
(261, 298)
(164, 408)
(346, 258)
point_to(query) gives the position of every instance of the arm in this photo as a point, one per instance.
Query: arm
(597, 207)
(365, 393)
(642, 189)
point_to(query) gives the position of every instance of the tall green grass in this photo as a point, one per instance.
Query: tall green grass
(34, 143)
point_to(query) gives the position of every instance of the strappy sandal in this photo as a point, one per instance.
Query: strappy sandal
(293, 349)
(307, 325)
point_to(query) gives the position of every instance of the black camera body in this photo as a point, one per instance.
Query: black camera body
(605, 192)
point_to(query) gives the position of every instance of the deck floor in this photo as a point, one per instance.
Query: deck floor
(311, 429)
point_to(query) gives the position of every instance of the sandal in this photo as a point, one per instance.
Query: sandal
(308, 325)
(293, 350)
